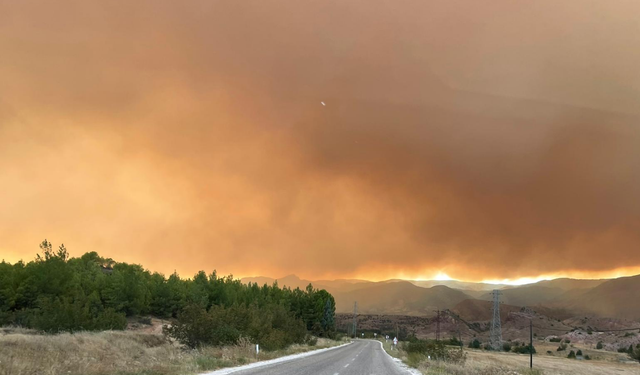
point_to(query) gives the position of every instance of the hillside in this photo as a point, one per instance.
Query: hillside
(618, 298)
(567, 284)
(461, 285)
(473, 310)
(529, 295)
(398, 298)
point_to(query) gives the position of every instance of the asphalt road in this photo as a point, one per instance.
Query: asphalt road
(363, 357)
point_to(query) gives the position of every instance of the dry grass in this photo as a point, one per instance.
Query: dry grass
(24, 352)
(480, 362)
(554, 365)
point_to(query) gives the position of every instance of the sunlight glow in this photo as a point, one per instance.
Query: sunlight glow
(441, 276)
(520, 281)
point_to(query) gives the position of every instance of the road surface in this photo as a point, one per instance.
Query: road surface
(363, 357)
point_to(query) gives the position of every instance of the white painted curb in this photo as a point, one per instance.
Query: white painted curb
(399, 363)
(288, 358)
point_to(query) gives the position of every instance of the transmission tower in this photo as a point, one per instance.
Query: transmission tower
(496, 327)
(355, 319)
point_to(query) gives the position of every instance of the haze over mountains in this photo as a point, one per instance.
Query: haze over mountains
(559, 298)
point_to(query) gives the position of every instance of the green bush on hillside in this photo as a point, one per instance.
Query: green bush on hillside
(475, 344)
(524, 349)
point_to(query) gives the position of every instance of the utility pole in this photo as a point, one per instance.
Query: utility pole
(397, 331)
(496, 325)
(355, 319)
(459, 335)
(437, 324)
(531, 343)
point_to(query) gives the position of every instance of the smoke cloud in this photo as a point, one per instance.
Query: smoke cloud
(486, 140)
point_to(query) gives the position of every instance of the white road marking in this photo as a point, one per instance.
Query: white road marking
(230, 370)
(347, 365)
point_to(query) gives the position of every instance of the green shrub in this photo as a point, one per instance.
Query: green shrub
(555, 339)
(524, 349)
(599, 345)
(579, 352)
(635, 354)
(453, 341)
(273, 327)
(506, 347)
(475, 344)
(572, 354)
(67, 314)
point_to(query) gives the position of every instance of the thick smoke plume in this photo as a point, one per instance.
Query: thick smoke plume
(487, 140)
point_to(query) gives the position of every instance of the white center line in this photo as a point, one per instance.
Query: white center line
(347, 365)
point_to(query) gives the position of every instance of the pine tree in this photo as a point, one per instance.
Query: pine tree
(328, 320)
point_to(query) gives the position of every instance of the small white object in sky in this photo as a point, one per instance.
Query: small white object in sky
(323, 103)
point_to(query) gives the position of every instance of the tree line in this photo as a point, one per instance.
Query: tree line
(55, 293)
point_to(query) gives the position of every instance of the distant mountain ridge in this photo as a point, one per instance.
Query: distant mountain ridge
(559, 298)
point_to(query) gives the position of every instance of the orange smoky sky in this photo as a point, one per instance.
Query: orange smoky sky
(486, 140)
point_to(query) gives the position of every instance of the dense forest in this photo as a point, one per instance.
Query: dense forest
(56, 293)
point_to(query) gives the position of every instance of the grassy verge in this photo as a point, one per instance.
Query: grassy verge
(466, 367)
(25, 352)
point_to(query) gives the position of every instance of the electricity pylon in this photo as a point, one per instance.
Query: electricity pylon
(496, 326)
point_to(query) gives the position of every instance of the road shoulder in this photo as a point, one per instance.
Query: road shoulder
(399, 362)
